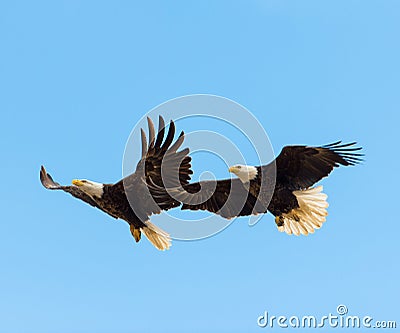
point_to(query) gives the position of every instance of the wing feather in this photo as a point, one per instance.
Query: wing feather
(161, 131)
(151, 133)
(228, 197)
(162, 163)
(144, 143)
(48, 182)
(299, 167)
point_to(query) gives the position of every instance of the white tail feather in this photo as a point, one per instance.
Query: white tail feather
(310, 215)
(158, 237)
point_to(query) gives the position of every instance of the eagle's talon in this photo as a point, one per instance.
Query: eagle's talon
(279, 221)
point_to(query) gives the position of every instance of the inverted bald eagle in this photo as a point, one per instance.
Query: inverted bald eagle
(283, 187)
(129, 199)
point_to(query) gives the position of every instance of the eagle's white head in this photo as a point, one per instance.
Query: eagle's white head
(244, 172)
(89, 187)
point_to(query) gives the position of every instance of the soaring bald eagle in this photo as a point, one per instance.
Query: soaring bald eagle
(283, 187)
(130, 199)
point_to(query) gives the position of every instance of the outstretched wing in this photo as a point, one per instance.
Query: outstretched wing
(162, 164)
(162, 161)
(299, 167)
(48, 182)
(228, 198)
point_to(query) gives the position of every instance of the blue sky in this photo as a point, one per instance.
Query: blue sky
(75, 78)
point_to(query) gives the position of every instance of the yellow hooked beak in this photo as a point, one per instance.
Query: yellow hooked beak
(232, 169)
(77, 182)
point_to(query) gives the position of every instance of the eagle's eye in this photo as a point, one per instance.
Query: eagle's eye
(239, 167)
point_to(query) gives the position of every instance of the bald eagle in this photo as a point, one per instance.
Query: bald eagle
(284, 187)
(116, 199)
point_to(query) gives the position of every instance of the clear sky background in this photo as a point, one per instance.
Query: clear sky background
(76, 76)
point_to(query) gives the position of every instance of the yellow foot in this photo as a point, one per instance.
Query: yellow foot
(135, 233)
